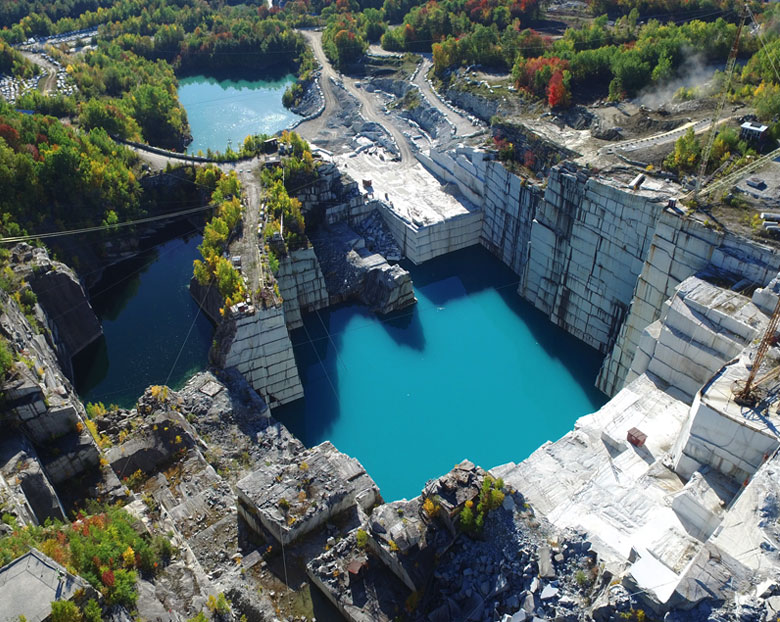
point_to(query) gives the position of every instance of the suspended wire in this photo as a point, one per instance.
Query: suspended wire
(189, 332)
(129, 223)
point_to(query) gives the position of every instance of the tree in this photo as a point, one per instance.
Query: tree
(65, 611)
(663, 70)
(558, 95)
(686, 153)
(349, 47)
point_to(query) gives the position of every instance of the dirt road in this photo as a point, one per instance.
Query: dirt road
(247, 246)
(49, 83)
(370, 107)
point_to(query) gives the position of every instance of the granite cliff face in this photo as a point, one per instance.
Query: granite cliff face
(50, 446)
(597, 256)
(69, 315)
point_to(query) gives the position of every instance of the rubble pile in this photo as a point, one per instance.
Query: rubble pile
(415, 556)
(377, 237)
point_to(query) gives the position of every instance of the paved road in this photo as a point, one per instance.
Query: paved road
(370, 106)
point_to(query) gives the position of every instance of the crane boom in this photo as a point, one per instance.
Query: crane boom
(730, 64)
(744, 396)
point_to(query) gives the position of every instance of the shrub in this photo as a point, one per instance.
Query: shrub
(92, 612)
(65, 611)
(430, 507)
(362, 538)
(6, 357)
(466, 519)
(93, 546)
(490, 498)
(219, 605)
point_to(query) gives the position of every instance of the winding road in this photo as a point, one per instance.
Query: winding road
(49, 83)
(370, 107)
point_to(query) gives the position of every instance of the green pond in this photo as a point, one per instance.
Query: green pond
(224, 112)
(472, 371)
(153, 332)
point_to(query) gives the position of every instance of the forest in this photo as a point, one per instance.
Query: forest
(127, 83)
(57, 177)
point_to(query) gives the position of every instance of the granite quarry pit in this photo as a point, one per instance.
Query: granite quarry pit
(662, 501)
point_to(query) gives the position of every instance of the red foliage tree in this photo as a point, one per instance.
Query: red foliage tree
(10, 135)
(557, 93)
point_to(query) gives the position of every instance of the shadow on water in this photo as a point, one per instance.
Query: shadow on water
(473, 270)
(153, 332)
(313, 344)
(326, 369)
(119, 285)
(405, 328)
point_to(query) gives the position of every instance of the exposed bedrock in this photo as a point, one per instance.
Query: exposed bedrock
(257, 343)
(352, 271)
(255, 340)
(51, 444)
(679, 249)
(598, 257)
(333, 197)
(421, 112)
(23, 475)
(70, 318)
(301, 285)
(341, 259)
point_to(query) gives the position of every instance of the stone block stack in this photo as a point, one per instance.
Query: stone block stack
(301, 285)
(256, 342)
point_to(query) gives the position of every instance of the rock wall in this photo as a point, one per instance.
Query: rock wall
(480, 107)
(257, 344)
(578, 245)
(333, 197)
(587, 245)
(598, 258)
(70, 318)
(352, 271)
(508, 202)
(41, 405)
(679, 249)
(508, 213)
(421, 242)
(301, 285)
(536, 152)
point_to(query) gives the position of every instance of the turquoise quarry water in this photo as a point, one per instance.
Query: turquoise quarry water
(230, 110)
(472, 371)
(147, 314)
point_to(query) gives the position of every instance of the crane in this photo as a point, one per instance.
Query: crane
(745, 394)
(730, 65)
